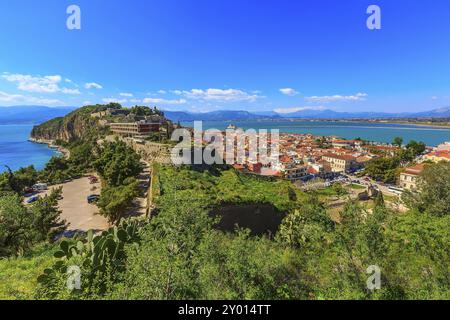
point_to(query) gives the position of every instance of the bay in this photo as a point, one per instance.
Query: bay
(380, 132)
(16, 151)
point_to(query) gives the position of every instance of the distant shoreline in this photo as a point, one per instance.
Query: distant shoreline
(419, 124)
(361, 121)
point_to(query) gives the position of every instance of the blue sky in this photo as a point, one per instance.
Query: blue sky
(202, 55)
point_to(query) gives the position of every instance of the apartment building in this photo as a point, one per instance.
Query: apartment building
(409, 178)
(139, 129)
(341, 163)
(294, 172)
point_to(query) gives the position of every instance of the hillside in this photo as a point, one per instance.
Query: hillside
(89, 121)
(76, 125)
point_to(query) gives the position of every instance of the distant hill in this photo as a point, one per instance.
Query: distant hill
(31, 114)
(437, 113)
(303, 114)
(40, 114)
(224, 115)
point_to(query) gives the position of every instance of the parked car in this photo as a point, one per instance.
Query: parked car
(40, 187)
(93, 198)
(33, 199)
(29, 190)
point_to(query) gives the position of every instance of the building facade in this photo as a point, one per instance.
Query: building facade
(140, 129)
(409, 178)
(341, 163)
(294, 173)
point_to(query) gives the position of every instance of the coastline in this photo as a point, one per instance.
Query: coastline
(419, 124)
(51, 144)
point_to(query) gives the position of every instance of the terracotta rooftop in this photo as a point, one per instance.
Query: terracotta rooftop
(441, 154)
(341, 157)
(415, 170)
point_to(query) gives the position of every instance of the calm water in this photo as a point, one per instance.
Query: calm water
(380, 132)
(17, 152)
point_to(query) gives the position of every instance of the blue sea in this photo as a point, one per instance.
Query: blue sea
(16, 151)
(380, 132)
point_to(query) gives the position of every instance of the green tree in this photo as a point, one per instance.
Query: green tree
(115, 202)
(19, 180)
(339, 189)
(416, 148)
(383, 169)
(47, 217)
(165, 265)
(306, 227)
(16, 226)
(82, 156)
(398, 141)
(433, 194)
(21, 227)
(117, 162)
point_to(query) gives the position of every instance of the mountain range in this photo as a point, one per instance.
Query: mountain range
(31, 114)
(303, 114)
(40, 114)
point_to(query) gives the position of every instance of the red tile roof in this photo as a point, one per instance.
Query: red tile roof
(441, 154)
(415, 170)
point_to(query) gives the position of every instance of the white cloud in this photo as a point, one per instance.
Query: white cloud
(163, 101)
(6, 97)
(297, 109)
(434, 98)
(124, 94)
(46, 84)
(93, 85)
(162, 91)
(70, 91)
(224, 95)
(18, 98)
(135, 101)
(356, 97)
(289, 92)
(44, 101)
(114, 100)
(38, 84)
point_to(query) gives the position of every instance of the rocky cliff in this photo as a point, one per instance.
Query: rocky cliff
(89, 122)
(78, 124)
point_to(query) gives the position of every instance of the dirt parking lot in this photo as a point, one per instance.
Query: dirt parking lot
(75, 208)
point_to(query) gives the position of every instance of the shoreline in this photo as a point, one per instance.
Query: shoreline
(419, 125)
(51, 145)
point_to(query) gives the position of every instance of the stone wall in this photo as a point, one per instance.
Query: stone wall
(150, 152)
